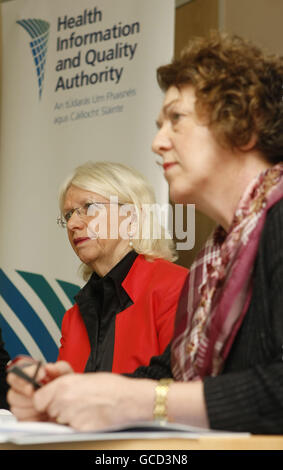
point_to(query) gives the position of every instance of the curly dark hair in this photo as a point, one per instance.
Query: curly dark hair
(238, 88)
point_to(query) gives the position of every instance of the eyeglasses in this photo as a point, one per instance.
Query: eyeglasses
(87, 210)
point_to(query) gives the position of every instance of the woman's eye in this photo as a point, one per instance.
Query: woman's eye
(91, 208)
(68, 215)
(175, 117)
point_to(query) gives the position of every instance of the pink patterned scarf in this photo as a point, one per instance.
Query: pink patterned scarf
(217, 294)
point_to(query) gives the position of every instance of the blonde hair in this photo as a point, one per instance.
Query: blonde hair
(130, 187)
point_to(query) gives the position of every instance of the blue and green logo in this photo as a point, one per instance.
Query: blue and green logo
(31, 310)
(39, 33)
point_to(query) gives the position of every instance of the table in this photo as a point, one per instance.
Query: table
(202, 443)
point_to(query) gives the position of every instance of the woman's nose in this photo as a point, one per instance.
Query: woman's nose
(161, 142)
(75, 222)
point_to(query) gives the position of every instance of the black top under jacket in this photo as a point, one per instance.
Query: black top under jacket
(99, 301)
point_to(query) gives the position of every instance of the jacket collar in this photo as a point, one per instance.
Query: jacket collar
(138, 277)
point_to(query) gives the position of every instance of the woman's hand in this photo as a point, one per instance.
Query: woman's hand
(96, 401)
(20, 395)
(99, 401)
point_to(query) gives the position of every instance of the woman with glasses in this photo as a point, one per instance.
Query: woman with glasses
(125, 312)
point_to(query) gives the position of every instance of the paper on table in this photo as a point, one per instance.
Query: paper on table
(4, 412)
(11, 429)
(39, 432)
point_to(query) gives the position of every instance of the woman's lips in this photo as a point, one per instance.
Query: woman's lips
(168, 165)
(77, 241)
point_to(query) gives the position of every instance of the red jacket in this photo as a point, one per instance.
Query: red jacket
(142, 330)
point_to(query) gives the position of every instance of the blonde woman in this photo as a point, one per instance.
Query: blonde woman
(125, 312)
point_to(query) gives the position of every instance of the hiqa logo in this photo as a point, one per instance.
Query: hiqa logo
(39, 32)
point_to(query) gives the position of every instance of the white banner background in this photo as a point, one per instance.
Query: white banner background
(43, 139)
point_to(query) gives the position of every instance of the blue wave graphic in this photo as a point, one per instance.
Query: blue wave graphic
(39, 32)
(39, 284)
(13, 344)
(27, 316)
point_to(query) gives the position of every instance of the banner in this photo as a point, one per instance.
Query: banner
(78, 84)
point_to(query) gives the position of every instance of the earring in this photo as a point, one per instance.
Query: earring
(131, 239)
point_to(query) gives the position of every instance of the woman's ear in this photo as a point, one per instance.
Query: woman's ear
(133, 225)
(250, 145)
